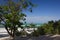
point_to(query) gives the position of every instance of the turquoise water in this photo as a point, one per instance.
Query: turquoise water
(38, 24)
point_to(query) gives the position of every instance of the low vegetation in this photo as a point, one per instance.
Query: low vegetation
(50, 28)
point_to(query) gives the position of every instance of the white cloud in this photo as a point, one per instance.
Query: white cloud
(40, 19)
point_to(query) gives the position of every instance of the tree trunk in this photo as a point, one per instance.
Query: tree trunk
(9, 32)
(14, 30)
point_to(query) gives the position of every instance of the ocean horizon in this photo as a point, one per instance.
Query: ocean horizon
(37, 24)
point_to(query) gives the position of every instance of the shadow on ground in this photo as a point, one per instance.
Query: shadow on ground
(3, 35)
(44, 37)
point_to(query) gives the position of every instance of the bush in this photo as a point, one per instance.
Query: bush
(35, 33)
(41, 31)
(18, 33)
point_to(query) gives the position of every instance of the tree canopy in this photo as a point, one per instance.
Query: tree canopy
(11, 14)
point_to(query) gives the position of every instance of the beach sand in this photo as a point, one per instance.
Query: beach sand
(43, 37)
(4, 36)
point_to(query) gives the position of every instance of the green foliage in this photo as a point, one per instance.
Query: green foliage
(23, 33)
(11, 14)
(18, 33)
(35, 33)
(32, 25)
(50, 28)
(41, 31)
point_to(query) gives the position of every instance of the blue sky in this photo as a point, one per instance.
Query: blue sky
(45, 11)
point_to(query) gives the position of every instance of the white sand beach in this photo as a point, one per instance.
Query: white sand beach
(3, 31)
(4, 36)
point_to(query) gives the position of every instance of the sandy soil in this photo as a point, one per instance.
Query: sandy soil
(44, 37)
(5, 36)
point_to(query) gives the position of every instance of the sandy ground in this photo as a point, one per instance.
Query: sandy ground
(44, 37)
(5, 36)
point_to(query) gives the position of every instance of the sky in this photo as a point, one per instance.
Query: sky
(45, 11)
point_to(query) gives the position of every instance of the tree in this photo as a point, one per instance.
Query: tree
(32, 25)
(59, 26)
(46, 28)
(11, 15)
(56, 27)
